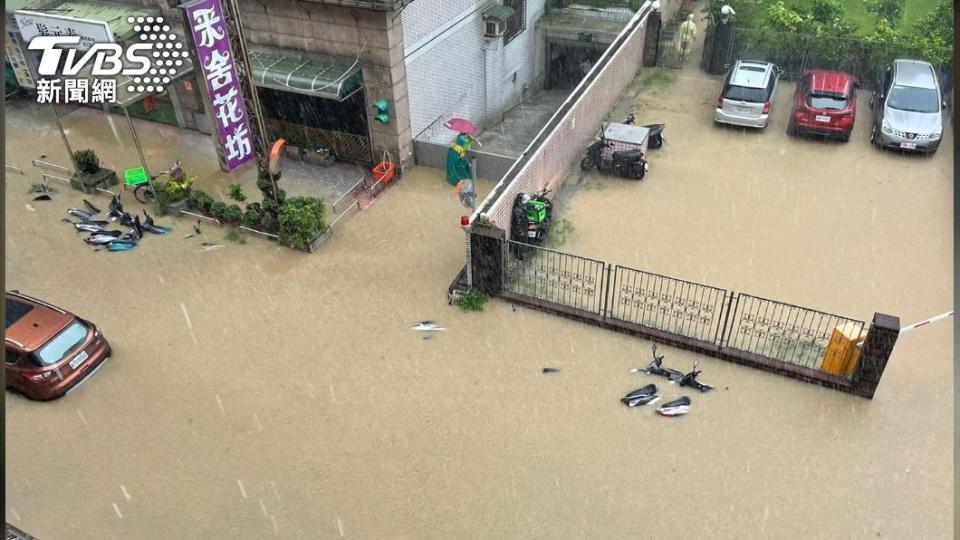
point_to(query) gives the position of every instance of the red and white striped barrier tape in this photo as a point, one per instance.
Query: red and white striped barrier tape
(904, 329)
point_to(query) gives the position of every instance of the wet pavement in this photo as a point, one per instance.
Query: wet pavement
(256, 391)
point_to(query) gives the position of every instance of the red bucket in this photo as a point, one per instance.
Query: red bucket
(384, 172)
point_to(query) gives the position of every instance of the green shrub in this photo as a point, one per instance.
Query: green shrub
(269, 223)
(87, 161)
(281, 196)
(251, 218)
(200, 200)
(269, 205)
(39, 187)
(301, 220)
(217, 209)
(472, 300)
(232, 214)
(236, 193)
(264, 184)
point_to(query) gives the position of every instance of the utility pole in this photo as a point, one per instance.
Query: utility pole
(238, 46)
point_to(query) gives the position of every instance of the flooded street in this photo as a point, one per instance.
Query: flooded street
(256, 391)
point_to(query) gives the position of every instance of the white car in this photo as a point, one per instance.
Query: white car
(747, 94)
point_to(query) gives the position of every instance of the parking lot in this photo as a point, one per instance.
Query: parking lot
(256, 391)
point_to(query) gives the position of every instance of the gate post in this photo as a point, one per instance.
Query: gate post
(487, 261)
(721, 36)
(877, 348)
(651, 39)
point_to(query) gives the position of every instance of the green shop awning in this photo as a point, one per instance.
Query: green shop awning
(499, 13)
(303, 73)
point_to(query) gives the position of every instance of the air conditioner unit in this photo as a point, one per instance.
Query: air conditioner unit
(493, 28)
(495, 20)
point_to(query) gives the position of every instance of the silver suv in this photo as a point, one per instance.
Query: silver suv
(907, 107)
(747, 94)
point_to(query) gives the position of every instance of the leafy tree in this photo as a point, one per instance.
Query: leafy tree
(938, 22)
(891, 10)
(827, 11)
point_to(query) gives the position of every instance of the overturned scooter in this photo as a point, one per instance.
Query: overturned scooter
(683, 379)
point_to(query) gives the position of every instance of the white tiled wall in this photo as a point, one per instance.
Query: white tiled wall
(450, 74)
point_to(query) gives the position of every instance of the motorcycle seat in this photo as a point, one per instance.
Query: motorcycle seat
(628, 154)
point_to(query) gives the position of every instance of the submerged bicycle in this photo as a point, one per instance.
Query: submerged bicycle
(177, 180)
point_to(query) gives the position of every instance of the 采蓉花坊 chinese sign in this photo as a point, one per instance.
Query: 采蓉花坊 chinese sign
(210, 35)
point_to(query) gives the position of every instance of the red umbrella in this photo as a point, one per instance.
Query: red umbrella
(461, 125)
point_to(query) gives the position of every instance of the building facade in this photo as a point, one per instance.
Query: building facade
(455, 70)
(325, 64)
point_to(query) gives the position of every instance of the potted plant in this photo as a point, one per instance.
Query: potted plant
(90, 175)
(294, 146)
(318, 153)
(174, 195)
(301, 223)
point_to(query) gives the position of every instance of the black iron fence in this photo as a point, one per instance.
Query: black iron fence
(553, 276)
(664, 303)
(790, 333)
(713, 317)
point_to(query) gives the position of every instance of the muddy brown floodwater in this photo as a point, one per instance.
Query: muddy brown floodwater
(258, 392)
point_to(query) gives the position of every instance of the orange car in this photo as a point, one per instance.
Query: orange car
(50, 352)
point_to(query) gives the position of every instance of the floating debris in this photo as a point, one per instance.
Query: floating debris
(551, 370)
(426, 326)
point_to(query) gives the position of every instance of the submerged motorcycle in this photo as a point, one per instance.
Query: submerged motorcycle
(532, 217)
(683, 379)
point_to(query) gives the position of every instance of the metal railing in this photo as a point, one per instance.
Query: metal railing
(14, 169)
(201, 216)
(707, 315)
(47, 176)
(47, 164)
(785, 332)
(557, 277)
(347, 194)
(356, 205)
(669, 304)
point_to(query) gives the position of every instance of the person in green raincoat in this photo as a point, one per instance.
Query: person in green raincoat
(458, 164)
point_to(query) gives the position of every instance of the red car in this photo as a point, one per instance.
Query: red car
(825, 103)
(50, 351)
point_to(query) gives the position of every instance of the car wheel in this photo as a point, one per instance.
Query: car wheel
(873, 134)
(845, 137)
(586, 164)
(792, 129)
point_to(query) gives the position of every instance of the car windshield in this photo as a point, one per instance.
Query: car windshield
(911, 99)
(60, 346)
(821, 100)
(744, 93)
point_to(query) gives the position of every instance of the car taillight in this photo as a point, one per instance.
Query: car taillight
(766, 107)
(719, 102)
(848, 114)
(41, 378)
(531, 227)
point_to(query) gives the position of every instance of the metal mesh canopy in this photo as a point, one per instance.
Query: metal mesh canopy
(313, 75)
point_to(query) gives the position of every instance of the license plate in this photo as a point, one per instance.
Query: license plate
(531, 234)
(908, 145)
(79, 359)
(744, 109)
(823, 118)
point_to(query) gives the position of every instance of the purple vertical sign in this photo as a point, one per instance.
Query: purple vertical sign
(212, 39)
